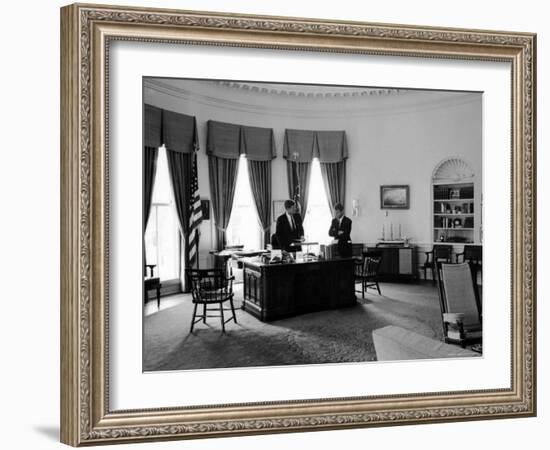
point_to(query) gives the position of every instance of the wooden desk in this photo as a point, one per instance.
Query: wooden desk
(274, 291)
(223, 256)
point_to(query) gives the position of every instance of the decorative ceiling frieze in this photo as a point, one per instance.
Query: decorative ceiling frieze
(311, 91)
(337, 102)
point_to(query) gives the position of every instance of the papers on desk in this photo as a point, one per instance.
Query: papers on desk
(240, 252)
(276, 257)
(250, 252)
(227, 252)
(304, 243)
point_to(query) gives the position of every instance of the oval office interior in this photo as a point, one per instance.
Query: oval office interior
(331, 213)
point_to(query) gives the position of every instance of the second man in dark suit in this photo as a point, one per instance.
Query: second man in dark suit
(289, 228)
(340, 229)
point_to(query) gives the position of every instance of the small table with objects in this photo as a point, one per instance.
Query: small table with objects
(151, 282)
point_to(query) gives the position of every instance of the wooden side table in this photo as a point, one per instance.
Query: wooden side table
(151, 282)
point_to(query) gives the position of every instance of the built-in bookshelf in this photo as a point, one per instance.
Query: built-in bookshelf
(453, 212)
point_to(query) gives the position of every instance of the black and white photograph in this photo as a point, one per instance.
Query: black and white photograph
(344, 224)
(272, 225)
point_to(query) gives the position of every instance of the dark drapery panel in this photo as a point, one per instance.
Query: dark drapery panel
(333, 152)
(331, 146)
(152, 140)
(181, 141)
(229, 141)
(223, 140)
(299, 174)
(298, 150)
(180, 166)
(304, 145)
(300, 147)
(258, 144)
(179, 132)
(152, 126)
(334, 179)
(150, 155)
(260, 183)
(223, 179)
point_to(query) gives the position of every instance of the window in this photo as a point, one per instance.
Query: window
(244, 225)
(318, 215)
(162, 236)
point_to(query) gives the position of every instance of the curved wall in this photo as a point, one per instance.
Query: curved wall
(394, 138)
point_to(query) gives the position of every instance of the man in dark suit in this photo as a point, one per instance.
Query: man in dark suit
(340, 229)
(289, 228)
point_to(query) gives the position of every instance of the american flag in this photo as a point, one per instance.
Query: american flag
(196, 217)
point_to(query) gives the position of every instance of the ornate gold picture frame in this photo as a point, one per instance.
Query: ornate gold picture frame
(87, 31)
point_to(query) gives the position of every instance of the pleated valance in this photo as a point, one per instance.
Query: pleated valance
(223, 139)
(258, 144)
(299, 145)
(152, 126)
(178, 132)
(229, 141)
(332, 146)
(304, 145)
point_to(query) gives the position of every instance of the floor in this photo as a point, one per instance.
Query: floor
(343, 335)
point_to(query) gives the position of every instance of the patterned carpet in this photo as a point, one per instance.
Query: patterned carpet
(343, 335)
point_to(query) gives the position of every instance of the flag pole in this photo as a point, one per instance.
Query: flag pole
(296, 182)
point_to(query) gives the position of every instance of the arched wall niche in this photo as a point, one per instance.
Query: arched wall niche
(456, 217)
(453, 170)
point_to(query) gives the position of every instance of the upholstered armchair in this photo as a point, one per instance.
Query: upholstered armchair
(460, 305)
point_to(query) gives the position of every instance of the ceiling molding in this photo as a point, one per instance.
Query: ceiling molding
(310, 91)
(324, 108)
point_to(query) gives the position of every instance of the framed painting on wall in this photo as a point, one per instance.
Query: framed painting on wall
(394, 197)
(107, 396)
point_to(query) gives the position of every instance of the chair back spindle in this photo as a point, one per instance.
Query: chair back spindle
(366, 271)
(442, 253)
(371, 263)
(438, 253)
(210, 287)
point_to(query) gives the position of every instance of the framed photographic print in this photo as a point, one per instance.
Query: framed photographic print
(394, 197)
(162, 309)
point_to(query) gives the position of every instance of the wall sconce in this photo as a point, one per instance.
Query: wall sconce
(355, 207)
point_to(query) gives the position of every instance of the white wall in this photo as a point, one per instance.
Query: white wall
(392, 139)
